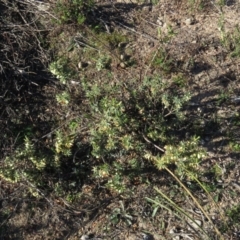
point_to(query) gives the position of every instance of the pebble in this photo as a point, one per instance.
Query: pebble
(195, 224)
(84, 237)
(160, 22)
(147, 236)
(189, 21)
(122, 44)
(43, 7)
(122, 65)
(122, 57)
(147, 8)
(82, 65)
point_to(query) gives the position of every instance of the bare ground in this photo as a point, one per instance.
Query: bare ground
(196, 51)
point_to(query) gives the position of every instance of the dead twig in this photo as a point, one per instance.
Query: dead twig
(147, 140)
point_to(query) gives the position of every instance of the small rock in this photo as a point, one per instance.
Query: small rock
(195, 224)
(84, 237)
(43, 7)
(82, 65)
(147, 236)
(176, 238)
(74, 82)
(147, 8)
(160, 22)
(122, 65)
(123, 57)
(189, 21)
(122, 44)
(165, 26)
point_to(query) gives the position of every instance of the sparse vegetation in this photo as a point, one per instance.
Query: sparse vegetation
(114, 120)
(75, 11)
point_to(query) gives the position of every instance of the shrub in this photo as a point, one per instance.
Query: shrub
(74, 11)
(137, 120)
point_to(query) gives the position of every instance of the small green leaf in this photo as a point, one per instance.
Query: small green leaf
(155, 211)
